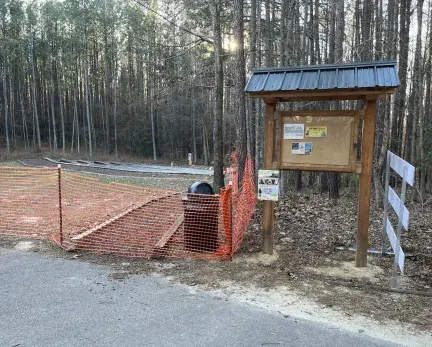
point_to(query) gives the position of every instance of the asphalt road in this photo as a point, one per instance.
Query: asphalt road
(55, 302)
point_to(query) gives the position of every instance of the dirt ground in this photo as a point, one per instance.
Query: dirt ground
(308, 266)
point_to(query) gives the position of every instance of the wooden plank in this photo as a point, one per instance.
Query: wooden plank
(108, 221)
(340, 94)
(318, 113)
(393, 238)
(398, 164)
(268, 208)
(355, 140)
(170, 232)
(279, 141)
(394, 200)
(331, 98)
(310, 167)
(365, 184)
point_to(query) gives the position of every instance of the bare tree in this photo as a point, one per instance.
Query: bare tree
(240, 80)
(218, 105)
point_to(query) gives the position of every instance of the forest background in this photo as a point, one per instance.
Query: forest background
(163, 78)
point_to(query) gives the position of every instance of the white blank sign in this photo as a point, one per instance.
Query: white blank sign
(398, 164)
(394, 200)
(392, 237)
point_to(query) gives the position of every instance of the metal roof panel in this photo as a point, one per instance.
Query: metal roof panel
(394, 77)
(327, 79)
(346, 78)
(291, 81)
(274, 81)
(256, 82)
(309, 80)
(366, 77)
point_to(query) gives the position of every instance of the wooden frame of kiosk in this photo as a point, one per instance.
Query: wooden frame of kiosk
(323, 140)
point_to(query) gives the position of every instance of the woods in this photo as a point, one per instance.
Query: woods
(163, 78)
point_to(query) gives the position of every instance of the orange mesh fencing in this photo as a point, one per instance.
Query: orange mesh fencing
(243, 201)
(88, 214)
(29, 202)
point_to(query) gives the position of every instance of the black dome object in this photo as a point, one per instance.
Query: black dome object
(200, 188)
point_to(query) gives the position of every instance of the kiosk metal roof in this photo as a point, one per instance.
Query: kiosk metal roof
(352, 76)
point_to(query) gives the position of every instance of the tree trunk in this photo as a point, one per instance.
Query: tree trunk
(218, 180)
(336, 56)
(36, 126)
(417, 90)
(399, 104)
(241, 135)
(54, 129)
(258, 111)
(425, 120)
(62, 120)
(23, 117)
(87, 101)
(5, 96)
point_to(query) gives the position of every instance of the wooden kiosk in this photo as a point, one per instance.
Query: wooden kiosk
(322, 140)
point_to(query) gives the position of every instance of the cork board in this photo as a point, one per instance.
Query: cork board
(318, 140)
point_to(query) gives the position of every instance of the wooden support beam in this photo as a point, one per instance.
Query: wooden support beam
(323, 95)
(268, 211)
(365, 183)
(108, 221)
(170, 232)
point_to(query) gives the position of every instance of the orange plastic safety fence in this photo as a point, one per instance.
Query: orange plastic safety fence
(244, 200)
(29, 202)
(90, 214)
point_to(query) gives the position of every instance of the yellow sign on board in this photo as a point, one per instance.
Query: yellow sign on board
(316, 131)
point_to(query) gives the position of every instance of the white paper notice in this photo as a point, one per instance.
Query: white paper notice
(268, 185)
(301, 148)
(293, 131)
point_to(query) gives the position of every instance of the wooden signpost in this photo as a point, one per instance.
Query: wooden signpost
(322, 140)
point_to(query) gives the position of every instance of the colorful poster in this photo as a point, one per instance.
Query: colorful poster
(293, 131)
(301, 148)
(316, 131)
(268, 185)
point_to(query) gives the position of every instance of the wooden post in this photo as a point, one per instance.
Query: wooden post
(365, 183)
(268, 211)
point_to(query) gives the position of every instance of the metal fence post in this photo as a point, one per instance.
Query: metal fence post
(399, 228)
(60, 206)
(387, 183)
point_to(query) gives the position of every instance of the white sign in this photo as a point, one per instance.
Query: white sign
(398, 164)
(391, 198)
(393, 240)
(190, 158)
(268, 185)
(301, 148)
(293, 131)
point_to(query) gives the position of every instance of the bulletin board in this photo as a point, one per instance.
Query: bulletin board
(318, 140)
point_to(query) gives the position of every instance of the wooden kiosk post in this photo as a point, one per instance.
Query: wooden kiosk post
(329, 137)
(269, 206)
(368, 136)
